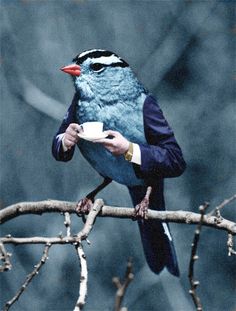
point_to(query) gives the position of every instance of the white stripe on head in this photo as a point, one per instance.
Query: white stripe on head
(90, 51)
(107, 60)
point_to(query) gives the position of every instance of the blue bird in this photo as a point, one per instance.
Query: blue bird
(107, 90)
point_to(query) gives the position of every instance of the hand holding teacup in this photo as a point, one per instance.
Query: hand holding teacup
(113, 141)
(88, 129)
(71, 137)
(117, 144)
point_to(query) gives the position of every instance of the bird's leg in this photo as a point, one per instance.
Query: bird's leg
(85, 204)
(141, 209)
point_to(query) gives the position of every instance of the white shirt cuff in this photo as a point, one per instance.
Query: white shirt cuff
(63, 144)
(136, 158)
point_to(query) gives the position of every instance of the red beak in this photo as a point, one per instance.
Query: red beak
(72, 69)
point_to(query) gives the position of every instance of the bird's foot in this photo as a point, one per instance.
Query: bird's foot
(141, 209)
(84, 206)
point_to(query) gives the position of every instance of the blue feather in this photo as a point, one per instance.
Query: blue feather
(119, 107)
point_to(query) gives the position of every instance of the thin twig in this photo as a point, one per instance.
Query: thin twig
(121, 288)
(83, 278)
(5, 258)
(217, 209)
(230, 244)
(226, 202)
(193, 258)
(29, 278)
(67, 223)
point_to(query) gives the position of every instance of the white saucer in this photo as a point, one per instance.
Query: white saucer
(93, 137)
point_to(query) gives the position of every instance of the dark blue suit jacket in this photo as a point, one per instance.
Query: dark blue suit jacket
(161, 156)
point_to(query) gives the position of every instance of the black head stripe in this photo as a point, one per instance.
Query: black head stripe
(93, 54)
(120, 64)
(97, 54)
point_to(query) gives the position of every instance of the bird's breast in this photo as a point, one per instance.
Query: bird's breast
(108, 165)
(125, 117)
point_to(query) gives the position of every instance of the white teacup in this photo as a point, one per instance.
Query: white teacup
(92, 128)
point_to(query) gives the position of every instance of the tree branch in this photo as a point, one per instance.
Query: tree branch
(95, 210)
(55, 206)
(67, 223)
(224, 203)
(29, 278)
(217, 209)
(41, 240)
(76, 240)
(83, 278)
(193, 259)
(82, 235)
(230, 244)
(5, 258)
(99, 209)
(121, 288)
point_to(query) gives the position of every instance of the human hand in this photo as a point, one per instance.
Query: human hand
(117, 145)
(71, 135)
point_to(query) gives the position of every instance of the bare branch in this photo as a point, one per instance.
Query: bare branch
(230, 244)
(193, 259)
(41, 240)
(121, 288)
(99, 209)
(82, 235)
(95, 210)
(76, 240)
(5, 258)
(67, 224)
(37, 208)
(116, 281)
(226, 202)
(119, 212)
(29, 278)
(216, 210)
(83, 278)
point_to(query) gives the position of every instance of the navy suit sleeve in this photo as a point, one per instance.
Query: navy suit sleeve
(161, 156)
(57, 149)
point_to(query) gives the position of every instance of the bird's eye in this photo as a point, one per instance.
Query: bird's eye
(97, 67)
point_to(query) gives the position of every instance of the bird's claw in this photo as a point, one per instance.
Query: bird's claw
(84, 206)
(141, 209)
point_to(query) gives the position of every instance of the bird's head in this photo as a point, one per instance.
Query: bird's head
(103, 75)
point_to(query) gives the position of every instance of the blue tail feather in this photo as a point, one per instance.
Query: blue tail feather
(158, 249)
(156, 238)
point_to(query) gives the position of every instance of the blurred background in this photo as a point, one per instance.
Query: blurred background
(184, 53)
